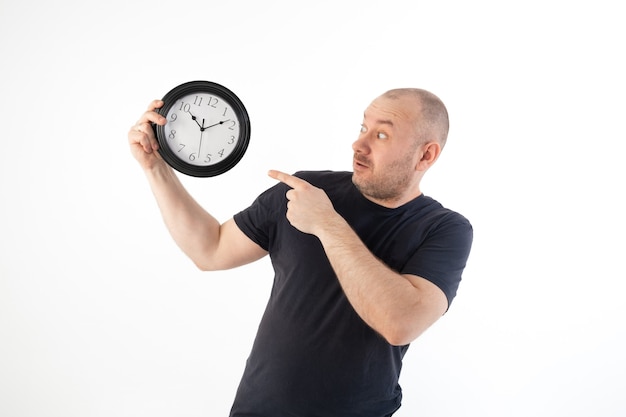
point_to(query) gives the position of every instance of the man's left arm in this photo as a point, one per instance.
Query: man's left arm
(399, 307)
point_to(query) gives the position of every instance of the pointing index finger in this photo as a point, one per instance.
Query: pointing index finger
(290, 180)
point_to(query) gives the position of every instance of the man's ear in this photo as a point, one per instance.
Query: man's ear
(430, 153)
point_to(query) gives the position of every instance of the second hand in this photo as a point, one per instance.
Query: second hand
(202, 129)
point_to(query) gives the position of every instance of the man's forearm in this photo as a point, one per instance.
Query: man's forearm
(193, 229)
(386, 300)
(381, 296)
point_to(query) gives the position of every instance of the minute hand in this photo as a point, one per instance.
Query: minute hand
(218, 123)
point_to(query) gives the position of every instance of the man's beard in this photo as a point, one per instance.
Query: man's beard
(388, 186)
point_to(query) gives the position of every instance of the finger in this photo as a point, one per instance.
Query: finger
(151, 117)
(155, 104)
(290, 180)
(147, 141)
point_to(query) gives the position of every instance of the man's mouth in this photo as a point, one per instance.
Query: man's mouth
(359, 162)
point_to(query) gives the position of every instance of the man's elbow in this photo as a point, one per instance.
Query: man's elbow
(205, 264)
(400, 336)
(400, 333)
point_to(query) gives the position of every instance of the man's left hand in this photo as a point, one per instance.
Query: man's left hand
(308, 208)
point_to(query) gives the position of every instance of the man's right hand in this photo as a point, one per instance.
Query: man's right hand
(143, 143)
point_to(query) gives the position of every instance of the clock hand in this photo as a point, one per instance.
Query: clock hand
(202, 128)
(195, 119)
(218, 123)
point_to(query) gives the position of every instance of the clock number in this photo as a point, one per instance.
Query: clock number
(198, 101)
(207, 159)
(221, 153)
(184, 107)
(182, 146)
(225, 110)
(212, 103)
(232, 126)
(172, 134)
(192, 157)
(173, 117)
(232, 140)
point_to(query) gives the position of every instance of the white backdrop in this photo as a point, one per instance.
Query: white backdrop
(100, 313)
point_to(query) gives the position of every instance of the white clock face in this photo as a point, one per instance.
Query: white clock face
(202, 129)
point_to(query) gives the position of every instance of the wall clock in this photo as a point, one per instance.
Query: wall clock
(207, 130)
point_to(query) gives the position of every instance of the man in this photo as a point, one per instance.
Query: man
(364, 262)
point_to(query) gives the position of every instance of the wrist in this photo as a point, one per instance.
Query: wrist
(158, 170)
(335, 227)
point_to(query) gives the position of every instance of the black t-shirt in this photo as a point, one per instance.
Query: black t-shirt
(313, 355)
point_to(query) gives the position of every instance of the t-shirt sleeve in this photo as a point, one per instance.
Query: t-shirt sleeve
(443, 255)
(257, 221)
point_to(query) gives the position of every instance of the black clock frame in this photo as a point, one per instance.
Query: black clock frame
(244, 129)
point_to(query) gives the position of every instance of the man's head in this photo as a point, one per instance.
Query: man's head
(402, 135)
(431, 121)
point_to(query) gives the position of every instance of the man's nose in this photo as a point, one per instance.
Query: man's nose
(361, 144)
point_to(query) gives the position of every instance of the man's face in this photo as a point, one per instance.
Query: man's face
(385, 154)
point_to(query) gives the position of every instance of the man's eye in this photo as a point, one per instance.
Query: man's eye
(363, 129)
(381, 135)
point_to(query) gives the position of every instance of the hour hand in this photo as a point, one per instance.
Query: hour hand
(195, 119)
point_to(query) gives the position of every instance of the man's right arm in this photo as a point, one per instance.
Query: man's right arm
(209, 244)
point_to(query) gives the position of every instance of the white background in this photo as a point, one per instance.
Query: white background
(100, 313)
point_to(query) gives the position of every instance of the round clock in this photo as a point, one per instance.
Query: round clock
(207, 130)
